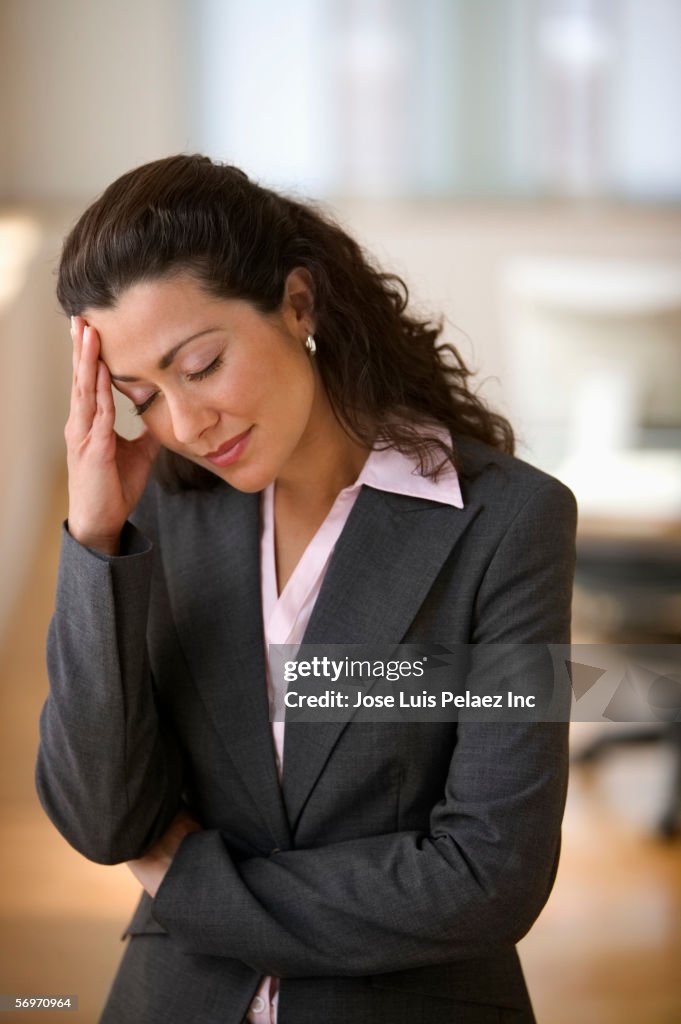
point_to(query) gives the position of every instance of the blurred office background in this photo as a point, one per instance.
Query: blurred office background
(519, 163)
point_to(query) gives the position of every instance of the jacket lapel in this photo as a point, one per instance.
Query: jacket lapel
(218, 612)
(385, 562)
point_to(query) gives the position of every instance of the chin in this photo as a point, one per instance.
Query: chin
(244, 479)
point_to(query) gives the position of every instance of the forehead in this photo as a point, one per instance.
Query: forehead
(151, 306)
(152, 317)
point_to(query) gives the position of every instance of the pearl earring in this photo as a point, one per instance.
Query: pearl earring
(311, 344)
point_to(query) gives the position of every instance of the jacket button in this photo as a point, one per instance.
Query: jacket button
(258, 1004)
(275, 850)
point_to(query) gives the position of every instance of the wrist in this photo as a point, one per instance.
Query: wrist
(105, 545)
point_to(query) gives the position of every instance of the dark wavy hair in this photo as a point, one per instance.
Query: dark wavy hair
(386, 376)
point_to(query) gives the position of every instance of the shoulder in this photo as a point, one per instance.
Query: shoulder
(505, 484)
(522, 542)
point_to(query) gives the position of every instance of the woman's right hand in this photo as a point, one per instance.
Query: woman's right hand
(107, 473)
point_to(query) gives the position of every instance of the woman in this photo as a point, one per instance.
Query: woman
(322, 472)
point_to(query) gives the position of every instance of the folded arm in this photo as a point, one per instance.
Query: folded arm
(474, 881)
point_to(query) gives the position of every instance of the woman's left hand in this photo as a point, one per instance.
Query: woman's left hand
(150, 870)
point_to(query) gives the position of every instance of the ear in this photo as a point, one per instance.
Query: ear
(298, 302)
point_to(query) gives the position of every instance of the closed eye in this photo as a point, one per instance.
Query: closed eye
(139, 409)
(206, 372)
(199, 375)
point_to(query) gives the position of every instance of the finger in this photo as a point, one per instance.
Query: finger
(83, 401)
(182, 826)
(106, 410)
(185, 818)
(76, 329)
(78, 326)
(87, 366)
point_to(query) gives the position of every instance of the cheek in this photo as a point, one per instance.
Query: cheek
(267, 387)
(292, 398)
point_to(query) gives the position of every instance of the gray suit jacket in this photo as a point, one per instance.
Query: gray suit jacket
(391, 875)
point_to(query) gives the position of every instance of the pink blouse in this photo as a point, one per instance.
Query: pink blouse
(286, 615)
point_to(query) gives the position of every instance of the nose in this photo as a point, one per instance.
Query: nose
(189, 418)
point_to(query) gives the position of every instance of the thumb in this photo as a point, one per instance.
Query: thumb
(148, 445)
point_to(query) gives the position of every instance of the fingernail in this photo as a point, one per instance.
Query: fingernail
(86, 334)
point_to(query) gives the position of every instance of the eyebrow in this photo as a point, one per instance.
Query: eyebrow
(165, 360)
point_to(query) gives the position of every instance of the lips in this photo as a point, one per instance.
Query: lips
(230, 451)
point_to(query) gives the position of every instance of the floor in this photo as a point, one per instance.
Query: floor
(606, 950)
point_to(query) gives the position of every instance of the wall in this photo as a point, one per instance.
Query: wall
(87, 90)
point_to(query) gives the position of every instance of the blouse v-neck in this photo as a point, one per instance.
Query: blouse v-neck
(286, 613)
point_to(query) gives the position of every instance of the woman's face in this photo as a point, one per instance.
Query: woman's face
(213, 379)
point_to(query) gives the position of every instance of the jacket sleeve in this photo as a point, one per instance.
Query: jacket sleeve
(108, 771)
(473, 883)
